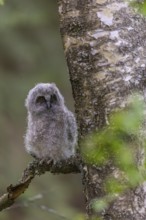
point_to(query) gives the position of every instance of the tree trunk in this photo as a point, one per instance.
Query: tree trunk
(105, 49)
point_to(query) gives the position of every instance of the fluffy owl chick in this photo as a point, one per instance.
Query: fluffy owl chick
(52, 129)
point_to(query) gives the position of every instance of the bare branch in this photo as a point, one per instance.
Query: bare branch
(37, 167)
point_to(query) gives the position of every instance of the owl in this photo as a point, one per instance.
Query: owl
(51, 130)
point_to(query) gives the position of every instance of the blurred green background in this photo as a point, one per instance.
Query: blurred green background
(31, 52)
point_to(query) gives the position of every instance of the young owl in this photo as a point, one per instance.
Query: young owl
(52, 130)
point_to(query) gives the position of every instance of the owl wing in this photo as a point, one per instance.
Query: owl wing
(71, 129)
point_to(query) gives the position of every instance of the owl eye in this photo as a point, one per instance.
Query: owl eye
(40, 100)
(53, 99)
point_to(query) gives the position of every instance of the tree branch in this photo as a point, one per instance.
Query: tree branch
(37, 167)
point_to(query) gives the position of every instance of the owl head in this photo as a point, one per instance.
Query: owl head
(44, 97)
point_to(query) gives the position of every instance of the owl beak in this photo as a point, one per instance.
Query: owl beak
(48, 105)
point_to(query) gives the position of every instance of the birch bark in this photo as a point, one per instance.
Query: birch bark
(105, 48)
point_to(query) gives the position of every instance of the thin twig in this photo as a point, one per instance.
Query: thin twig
(31, 201)
(37, 167)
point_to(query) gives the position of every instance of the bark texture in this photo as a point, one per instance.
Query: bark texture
(105, 48)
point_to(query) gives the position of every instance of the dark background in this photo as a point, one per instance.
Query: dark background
(31, 52)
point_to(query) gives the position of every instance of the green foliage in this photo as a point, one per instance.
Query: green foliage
(1, 2)
(99, 204)
(118, 145)
(140, 6)
(79, 217)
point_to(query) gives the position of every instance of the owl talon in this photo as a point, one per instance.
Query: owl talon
(47, 161)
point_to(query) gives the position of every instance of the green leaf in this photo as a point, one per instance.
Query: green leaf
(114, 186)
(118, 143)
(1, 2)
(99, 204)
(140, 6)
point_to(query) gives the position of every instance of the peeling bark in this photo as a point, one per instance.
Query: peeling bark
(104, 44)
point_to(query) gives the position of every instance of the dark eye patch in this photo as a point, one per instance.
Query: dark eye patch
(40, 100)
(53, 99)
